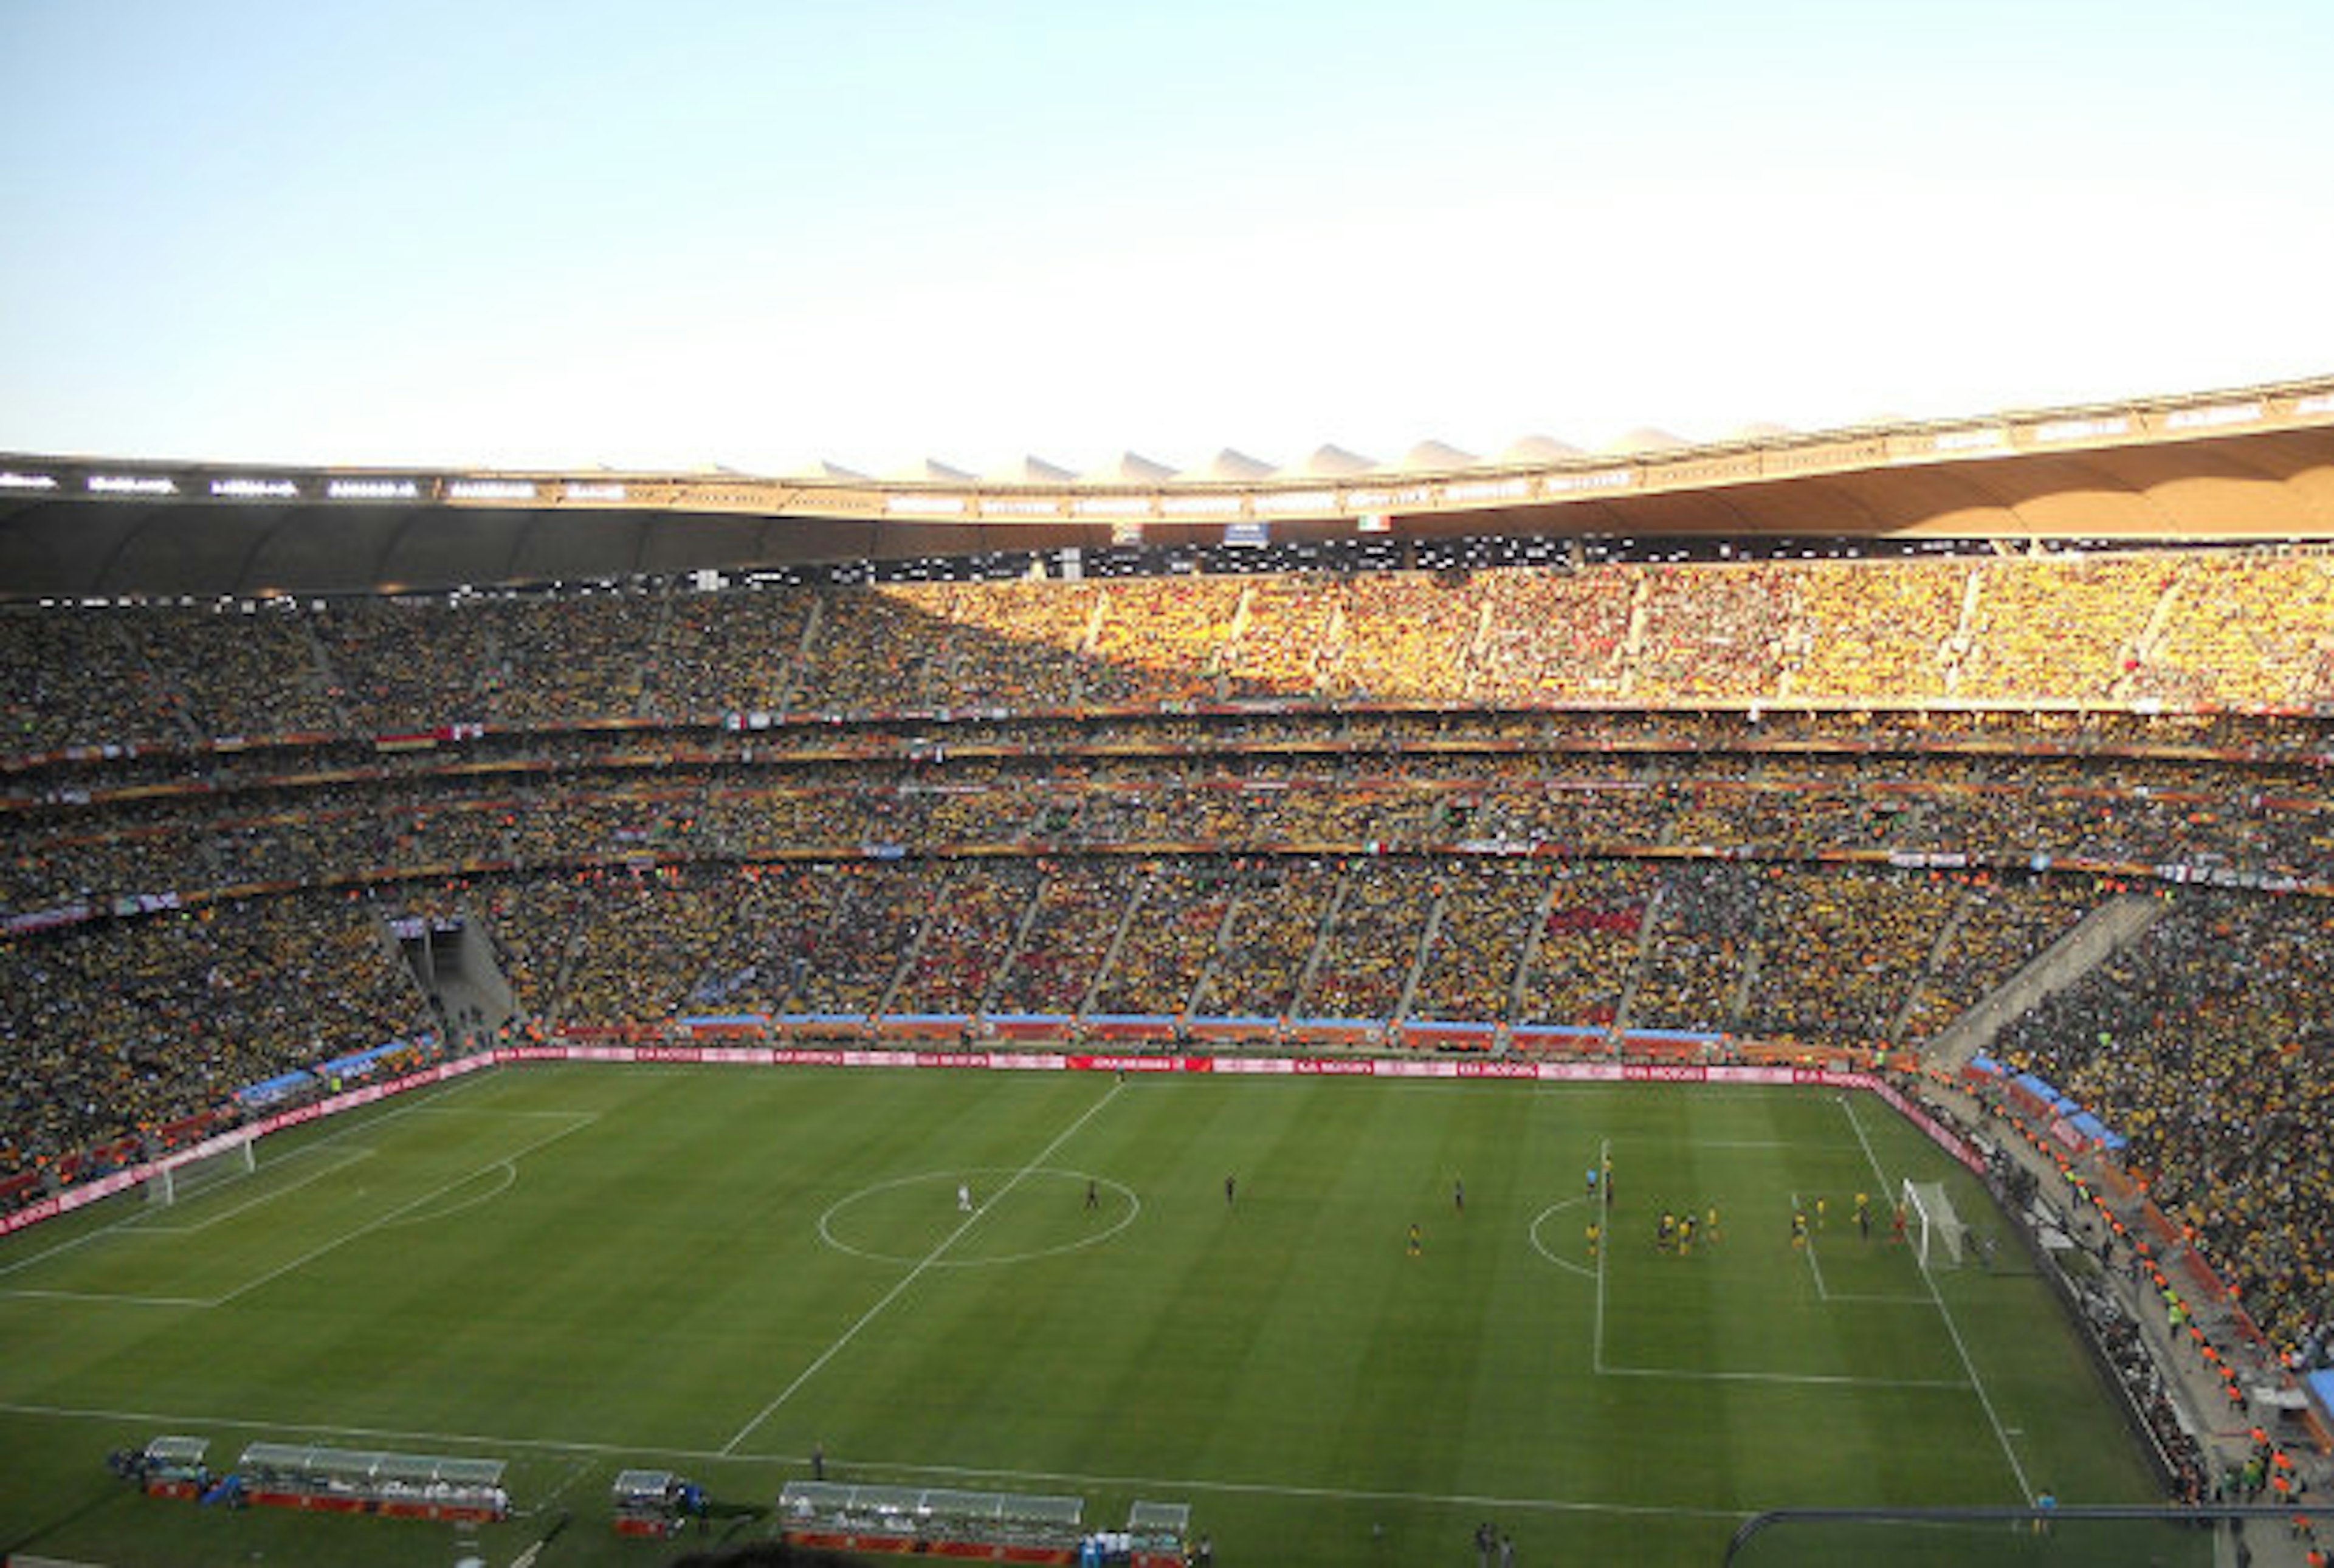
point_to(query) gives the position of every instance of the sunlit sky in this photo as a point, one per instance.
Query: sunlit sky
(669, 235)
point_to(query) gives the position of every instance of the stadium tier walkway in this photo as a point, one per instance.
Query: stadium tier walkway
(2116, 924)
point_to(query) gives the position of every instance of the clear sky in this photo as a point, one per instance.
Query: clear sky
(672, 234)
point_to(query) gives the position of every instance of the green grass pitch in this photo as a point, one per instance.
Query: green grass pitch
(581, 1269)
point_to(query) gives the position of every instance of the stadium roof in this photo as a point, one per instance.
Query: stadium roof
(2251, 464)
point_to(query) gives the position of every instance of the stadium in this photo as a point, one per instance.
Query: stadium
(1758, 1001)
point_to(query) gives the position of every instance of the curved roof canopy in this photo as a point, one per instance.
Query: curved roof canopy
(2255, 464)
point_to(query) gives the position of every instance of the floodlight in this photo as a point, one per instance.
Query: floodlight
(2082, 429)
(2212, 418)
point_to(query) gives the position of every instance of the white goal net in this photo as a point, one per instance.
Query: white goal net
(175, 1183)
(1935, 1227)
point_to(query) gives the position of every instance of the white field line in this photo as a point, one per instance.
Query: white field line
(1542, 1247)
(1769, 1143)
(1812, 1380)
(1917, 1300)
(1808, 1245)
(107, 1297)
(354, 1153)
(497, 1111)
(1599, 1364)
(1604, 1246)
(1164, 1485)
(1952, 1328)
(312, 1253)
(510, 1178)
(359, 1122)
(916, 1273)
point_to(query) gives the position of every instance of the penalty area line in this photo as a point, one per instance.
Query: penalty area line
(398, 1214)
(1945, 1313)
(1808, 1245)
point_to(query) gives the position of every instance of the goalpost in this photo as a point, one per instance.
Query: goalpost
(171, 1183)
(1938, 1227)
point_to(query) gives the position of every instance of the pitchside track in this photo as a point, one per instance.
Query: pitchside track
(713, 1270)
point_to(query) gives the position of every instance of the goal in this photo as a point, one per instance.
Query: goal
(173, 1183)
(1936, 1227)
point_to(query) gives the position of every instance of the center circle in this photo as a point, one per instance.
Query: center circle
(1015, 1216)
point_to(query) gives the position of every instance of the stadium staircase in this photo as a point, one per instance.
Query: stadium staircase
(913, 948)
(1323, 933)
(650, 658)
(1418, 955)
(2116, 924)
(1624, 1011)
(1965, 632)
(1126, 913)
(1538, 927)
(1949, 930)
(1002, 975)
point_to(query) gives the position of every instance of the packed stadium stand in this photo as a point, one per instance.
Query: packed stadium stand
(1434, 794)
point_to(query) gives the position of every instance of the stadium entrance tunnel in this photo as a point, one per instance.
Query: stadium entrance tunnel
(979, 1218)
(2110, 1538)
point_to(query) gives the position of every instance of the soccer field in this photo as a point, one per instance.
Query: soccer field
(714, 1270)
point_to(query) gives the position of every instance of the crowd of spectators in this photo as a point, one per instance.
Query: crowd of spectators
(1474, 949)
(1257, 969)
(1873, 931)
(1704, 925)
(668, 858)
(1019, 645)
(730, 652)
(2207, 1044)
(559, 655)
(113, 1030)
(966, 938)
(1859, 633)
(1368, 945)
(1797, 808)
(1705, 632)
(2243, 629)
(2073, 625)
(1174, 926)
(2003, 922)
(2192, 627)
(1080, 909)
(1587, 941)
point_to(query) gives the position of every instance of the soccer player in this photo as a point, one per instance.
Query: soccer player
(1663, 1232)
(1093, 1199)
(1864, 1216)
(1799, 1231)
(1819, 1213)
(1595, 1236)
(1713, 1224)
(1685, 1234)
(1414, 1238)
(964, 1198)
(1227, 1191)
(1458, 1194)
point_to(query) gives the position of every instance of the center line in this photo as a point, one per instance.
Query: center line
(911, 1277)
